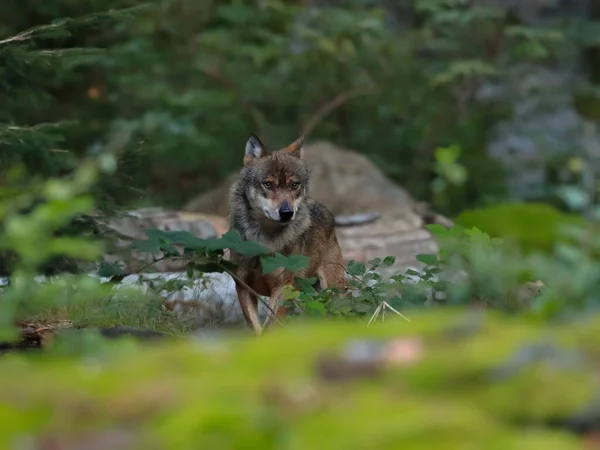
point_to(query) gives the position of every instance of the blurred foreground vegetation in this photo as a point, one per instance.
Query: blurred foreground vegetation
(444, 381)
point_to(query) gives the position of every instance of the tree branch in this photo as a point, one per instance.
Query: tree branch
(336, 102)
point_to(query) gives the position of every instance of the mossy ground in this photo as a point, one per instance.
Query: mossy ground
(128, 308)
(267, 392)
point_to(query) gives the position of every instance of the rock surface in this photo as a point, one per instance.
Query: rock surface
(130, 226)
(211, 300)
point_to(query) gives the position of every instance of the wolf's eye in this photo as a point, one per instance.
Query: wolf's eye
(268, 184)
(295, 185)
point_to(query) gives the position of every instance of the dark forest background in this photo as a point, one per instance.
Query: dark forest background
(463, 103)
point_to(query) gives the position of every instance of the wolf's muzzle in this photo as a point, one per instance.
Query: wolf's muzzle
(286, 212)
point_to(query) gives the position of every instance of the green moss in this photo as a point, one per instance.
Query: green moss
(250, 392)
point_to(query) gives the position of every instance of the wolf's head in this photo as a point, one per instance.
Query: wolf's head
(275, 182)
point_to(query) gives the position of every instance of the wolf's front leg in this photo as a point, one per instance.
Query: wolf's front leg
(274, 302)
(249, 305)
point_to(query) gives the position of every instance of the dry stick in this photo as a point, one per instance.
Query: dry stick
(23, 36)
(333, 104)
(381, 307)
(258, 296)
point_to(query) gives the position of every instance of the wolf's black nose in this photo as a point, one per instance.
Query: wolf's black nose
(285, 212)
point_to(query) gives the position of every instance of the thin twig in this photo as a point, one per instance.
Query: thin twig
(258, 296)
(381, 310)
(375, 313)
(333, 104)
(25, 35)
(397, 312)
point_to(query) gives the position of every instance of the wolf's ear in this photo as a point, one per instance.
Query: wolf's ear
(255, 149)
(296, 148)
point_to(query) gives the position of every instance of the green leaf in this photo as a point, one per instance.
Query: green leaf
(146, 246)
(457, 70)
(427, 259)
(293, 263)
(9, 333)
(413, 273)
(232, 235)
(250, 249)
(306, 284)
(170, 251)
(190, 270)
(271, 263)
(316, 308)
(233, 240)
(159, 240)
(74, 247)
(289, 293)
(389, 261)
(375, 262)
(356, 268)
(214, 244)
(447, 155)
(437, 230)
(109, 270)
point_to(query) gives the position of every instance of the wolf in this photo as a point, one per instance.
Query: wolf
(270, 204)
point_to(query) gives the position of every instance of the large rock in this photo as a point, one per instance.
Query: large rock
(348, 183)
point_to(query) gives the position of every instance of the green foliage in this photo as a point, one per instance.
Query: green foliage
(293, 263)
(30, 236)
(30, 71)
(471, 267)
(533, 226)
(47, 193)
(201, 254)
(34, 146)
(188, 81)
(32, 214)
(451, 176)
(546, 286)
(367, 288)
